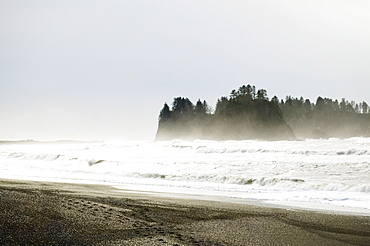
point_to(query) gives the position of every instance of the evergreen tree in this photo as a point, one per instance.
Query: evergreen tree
(244, 90)
(165, 113)
(364, 107)
(181, 105)
(343, 105)
(200, 108)
(262, 94)
(275, 99)
(307, 106)
(221, 104)
(320, 104)
(253, 91)
(233, 94)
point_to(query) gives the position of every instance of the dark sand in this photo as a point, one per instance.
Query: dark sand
(45, 213)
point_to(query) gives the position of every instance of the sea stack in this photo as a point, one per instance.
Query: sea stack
(246, 114)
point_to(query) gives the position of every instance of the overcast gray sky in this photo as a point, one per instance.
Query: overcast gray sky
(90, 69)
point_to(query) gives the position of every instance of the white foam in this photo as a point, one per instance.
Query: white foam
(333, 172)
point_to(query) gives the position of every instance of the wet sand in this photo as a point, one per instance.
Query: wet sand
(46, 213)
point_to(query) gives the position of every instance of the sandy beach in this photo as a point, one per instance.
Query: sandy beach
(47, 213)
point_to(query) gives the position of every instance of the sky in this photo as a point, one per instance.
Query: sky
(94, 69)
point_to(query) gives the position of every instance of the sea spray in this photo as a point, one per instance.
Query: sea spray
(334, 172)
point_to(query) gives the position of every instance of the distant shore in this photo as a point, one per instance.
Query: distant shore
(47, 213)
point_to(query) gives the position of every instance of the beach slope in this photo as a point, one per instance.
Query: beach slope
(46, 213)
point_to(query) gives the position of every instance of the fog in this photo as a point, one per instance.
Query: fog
(103, 69)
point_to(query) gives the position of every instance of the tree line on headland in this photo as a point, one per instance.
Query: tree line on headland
(249, 114)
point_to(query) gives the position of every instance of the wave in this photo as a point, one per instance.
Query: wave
(31, 141)
(52, 157)
(353, 152)
(203, 150)
(25, 156)
(267, 182)
(275, 165)
(206, 150)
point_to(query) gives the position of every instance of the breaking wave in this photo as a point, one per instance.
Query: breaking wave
(251, 167)
(206, 150)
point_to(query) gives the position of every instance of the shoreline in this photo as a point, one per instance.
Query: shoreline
(221, 196)
(175, 193)
(47, 213)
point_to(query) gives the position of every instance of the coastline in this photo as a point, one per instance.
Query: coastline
(47, 213)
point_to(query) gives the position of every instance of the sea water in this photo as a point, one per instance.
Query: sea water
(331, 174)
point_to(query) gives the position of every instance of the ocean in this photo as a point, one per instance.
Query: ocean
(330, 175)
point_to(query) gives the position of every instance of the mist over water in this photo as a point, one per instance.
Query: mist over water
(331, 174)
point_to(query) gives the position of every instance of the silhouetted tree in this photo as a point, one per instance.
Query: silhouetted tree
(343, 105)
(181, 105)
(364, 108)
(253, 92)
(262, 94)
(233, 94)
(244, 90)
(221, 104)
(200, 108)
(275, 99)
(351, 106)
(165, 113)
(320, 104)
(307, 107)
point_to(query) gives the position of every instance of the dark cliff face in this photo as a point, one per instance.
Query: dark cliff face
(253, 119)
(340, 125)
(238, 120)
(185, 127)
